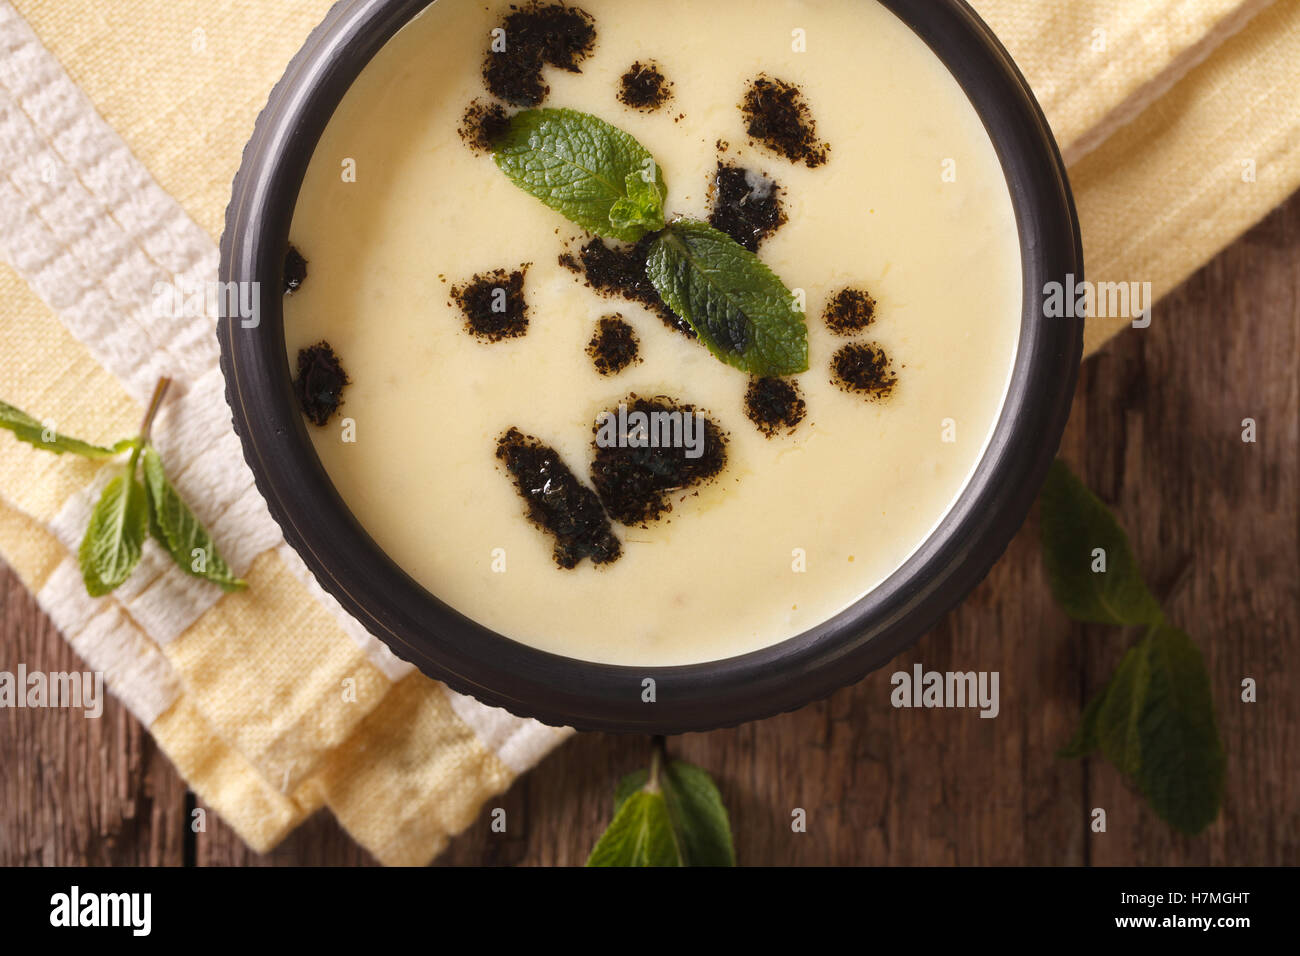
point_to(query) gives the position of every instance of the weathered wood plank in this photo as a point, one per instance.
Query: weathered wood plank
(76, 790)
(318, 841)
(1160, 438)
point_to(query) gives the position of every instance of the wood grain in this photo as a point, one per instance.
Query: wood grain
(1156, 430)
(74, 789)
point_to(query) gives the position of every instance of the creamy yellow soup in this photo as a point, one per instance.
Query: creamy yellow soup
(911, 206)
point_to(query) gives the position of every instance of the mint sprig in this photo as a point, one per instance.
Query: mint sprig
(1154, 720)
(738, 307)
(669, 815)
(605, 181)
(128, 510)
(585, 169)
(642, 209)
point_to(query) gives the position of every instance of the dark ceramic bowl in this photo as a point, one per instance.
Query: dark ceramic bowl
(558, 690)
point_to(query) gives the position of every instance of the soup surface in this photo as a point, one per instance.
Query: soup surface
(910, 206)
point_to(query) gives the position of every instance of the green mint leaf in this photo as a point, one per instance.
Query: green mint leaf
(1184, 768)
(642, 208)
(640, 835)
(1154, 721)
(629, 785)
(738, 307)
(695, 810)
(1104, 725)
(1116, 730)
(1075, 524)
(585, 169)
(1171, 743)
(175, 527)
(111, 548)
(698, 815)
(35, 433)
(1085, 739)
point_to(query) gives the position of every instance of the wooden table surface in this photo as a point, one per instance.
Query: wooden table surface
(1156, 431)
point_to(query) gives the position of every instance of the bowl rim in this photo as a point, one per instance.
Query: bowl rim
(526, 681)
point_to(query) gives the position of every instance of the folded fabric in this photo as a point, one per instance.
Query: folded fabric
(120, 131)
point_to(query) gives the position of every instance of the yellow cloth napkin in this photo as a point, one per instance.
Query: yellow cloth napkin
(121, 126)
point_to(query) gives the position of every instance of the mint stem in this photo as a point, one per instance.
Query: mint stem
(658, 757)
(155, 403)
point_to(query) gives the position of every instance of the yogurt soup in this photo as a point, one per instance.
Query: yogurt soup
(481, 339)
